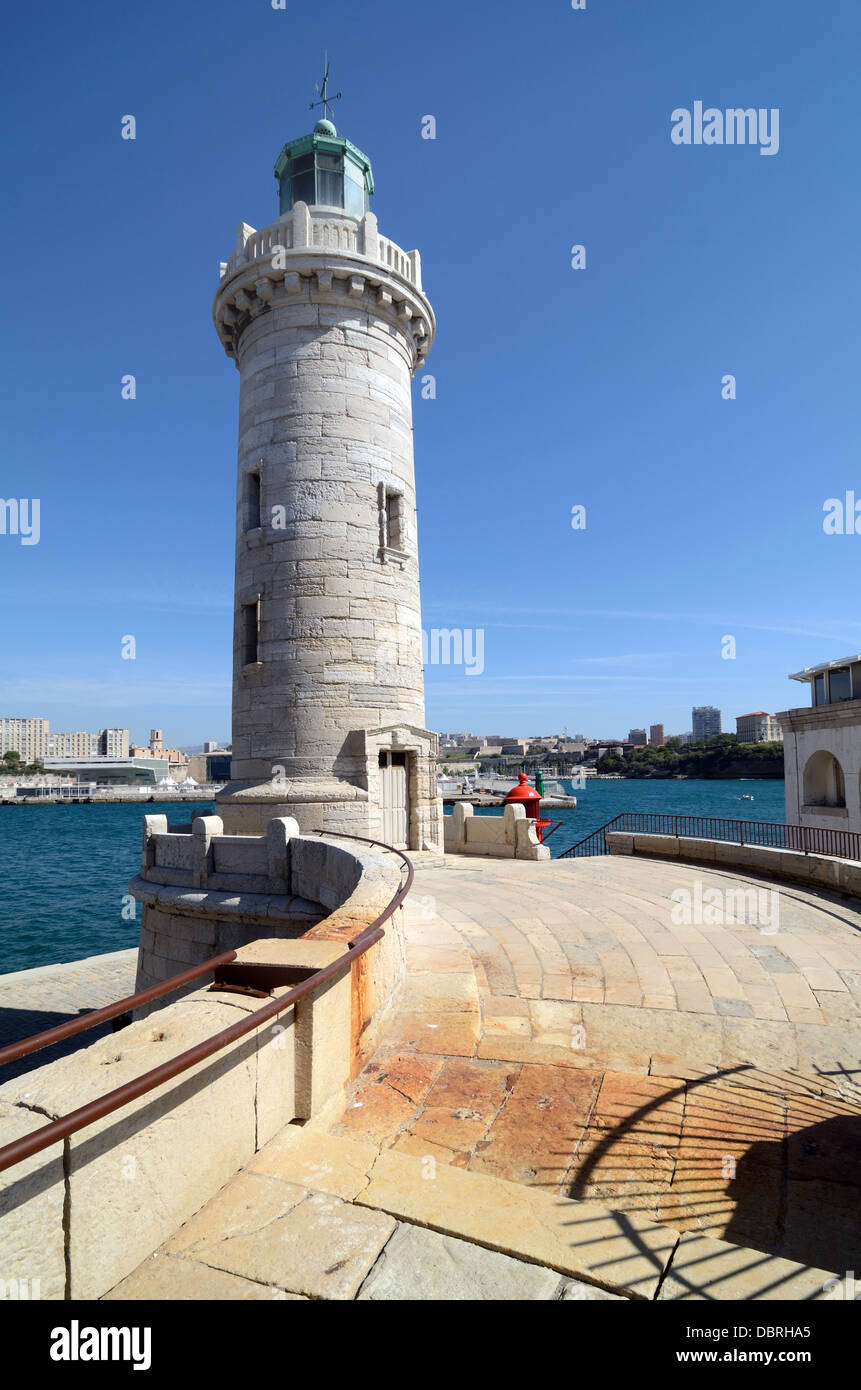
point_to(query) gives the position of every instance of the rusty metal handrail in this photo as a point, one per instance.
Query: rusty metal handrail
(61, 1128)
(36, 1041)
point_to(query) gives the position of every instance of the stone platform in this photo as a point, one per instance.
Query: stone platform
(32, 1001)
(574, 1084)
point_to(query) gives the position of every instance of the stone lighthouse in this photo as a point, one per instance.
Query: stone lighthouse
(327, 322)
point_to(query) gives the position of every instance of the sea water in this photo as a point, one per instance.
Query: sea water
(65, 870)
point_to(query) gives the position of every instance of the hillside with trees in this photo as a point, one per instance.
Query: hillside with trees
(722, 756)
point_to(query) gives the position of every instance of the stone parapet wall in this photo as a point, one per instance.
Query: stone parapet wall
(346, 250)
(509, 836)
(843, 875)
(81, 1216)
(204, 892)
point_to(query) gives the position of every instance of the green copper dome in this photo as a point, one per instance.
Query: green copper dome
(324, 170)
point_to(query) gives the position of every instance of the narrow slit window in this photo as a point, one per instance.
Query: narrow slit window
(250, 632)
(252, 501)
(394, 520)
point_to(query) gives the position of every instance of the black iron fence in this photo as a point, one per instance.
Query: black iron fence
(806, 839)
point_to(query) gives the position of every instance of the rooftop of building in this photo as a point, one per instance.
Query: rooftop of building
(810, 672)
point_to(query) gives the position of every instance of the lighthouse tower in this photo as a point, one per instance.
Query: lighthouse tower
(327, 321)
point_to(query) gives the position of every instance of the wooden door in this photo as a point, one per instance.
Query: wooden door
(394, 800)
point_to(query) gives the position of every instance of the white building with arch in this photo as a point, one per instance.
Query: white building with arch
(822, 748)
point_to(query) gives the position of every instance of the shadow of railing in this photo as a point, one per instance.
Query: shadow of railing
(759, 1160)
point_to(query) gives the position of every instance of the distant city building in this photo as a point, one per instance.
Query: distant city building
(637, 737)
(211, 766)
(29, 737)
(656, 735)
(156, 749)
(613, 749)
(706, 722)
(104, 771)
(114, 743)
(73, 744)
(758, 727)
(686, 738)
(32, 738)
(822, 748)
(107, 743)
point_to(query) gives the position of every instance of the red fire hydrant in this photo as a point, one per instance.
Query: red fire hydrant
(527, 797)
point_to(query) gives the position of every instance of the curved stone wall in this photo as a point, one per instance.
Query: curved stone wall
(204, 892)
(816, 870)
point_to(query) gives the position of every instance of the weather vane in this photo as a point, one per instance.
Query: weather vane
(322, 90)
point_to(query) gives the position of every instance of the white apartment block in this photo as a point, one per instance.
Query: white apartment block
(32, 738)
(113, 743)
(706, 722)
(77, 744)
(29, 737)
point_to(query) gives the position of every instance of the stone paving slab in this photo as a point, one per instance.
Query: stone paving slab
(694, 1107)
(285, 1236)
(266, 1235)
(421, 1264)
(732, 1154)
(711, 1269)
(415, 1231)
(171, 1279)
(605, 927)
(571, 1237)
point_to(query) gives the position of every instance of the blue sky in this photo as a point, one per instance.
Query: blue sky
(555, 387)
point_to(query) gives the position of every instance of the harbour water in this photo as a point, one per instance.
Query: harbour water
(64, 870)
(64, 874)
(602, 798)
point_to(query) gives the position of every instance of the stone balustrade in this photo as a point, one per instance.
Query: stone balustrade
(205, 892)
(344, 258)
(509, 836)
(305, 228)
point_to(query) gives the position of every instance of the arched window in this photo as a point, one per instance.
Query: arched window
(823, 781)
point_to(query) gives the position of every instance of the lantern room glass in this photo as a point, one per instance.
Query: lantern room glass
(323, 179)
